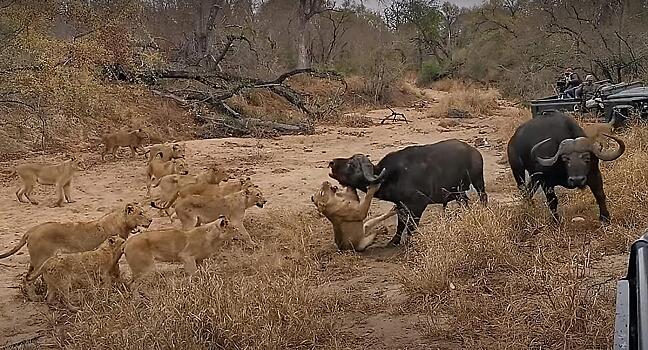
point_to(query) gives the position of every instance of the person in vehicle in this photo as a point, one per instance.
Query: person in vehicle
(572, 83)
(588, 89)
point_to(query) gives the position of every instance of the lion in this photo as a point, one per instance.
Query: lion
(190, 247)
(159, 168)
(166, 151)
(45, 239)
(347, 213)
(123, 138)
(59, 175)
(196, 210)
(83, 269)
(171, 184)
(205, 189)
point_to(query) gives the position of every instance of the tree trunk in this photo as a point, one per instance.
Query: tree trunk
(302, 53)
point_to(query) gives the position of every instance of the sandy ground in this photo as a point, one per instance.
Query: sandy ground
(288, 170)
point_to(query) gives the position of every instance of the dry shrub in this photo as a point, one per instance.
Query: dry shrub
(514, 117)
(502, 277)
(468, 102)
(451, 247)
(450, 85)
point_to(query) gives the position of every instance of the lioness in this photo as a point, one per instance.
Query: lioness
(63, 270)
(171, 184)
(123, 138)
(189, 247)
(347, 213)
(166, 152)
(59, 175)
(158, 168)
(208, 190)
(45, 239)
(195, 210)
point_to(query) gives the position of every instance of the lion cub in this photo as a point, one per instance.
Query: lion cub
(159, 168)
(85, 269)
(167, 152)
(133, 139)
(196, 210)
(189, 247)
(347, 214)
(59, 175)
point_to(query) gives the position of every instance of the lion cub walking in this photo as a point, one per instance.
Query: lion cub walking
(85, 269)
(347, 214)
(196, 210)
(189, 247)
(133, 139)
(59, 175)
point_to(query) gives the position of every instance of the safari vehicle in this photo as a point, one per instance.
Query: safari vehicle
(619, 101)
(631, 324)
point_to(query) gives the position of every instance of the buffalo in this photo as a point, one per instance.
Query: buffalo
(416, 176)
(555, 151)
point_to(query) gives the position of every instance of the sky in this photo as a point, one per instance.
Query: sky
(375, 4)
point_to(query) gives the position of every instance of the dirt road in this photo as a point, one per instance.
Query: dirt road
(288, 170)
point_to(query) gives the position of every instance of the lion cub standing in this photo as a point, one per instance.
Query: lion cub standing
(347, 214)
(133, 139)
(196, 210)
(189, 247)
(59, 175)
(85, 269)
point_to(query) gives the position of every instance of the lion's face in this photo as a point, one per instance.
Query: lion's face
(136, 217)
(254, 196)
(221, 225)
(141, 134)
(178, 150)
(322, 197)
(181, 166)
(216, 175)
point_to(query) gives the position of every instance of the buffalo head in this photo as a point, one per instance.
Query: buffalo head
(576, 155)
(356, 171)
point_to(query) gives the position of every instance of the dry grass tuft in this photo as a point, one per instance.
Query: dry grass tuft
(467, 102)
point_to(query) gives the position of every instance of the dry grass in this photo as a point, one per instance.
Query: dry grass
(467, 102)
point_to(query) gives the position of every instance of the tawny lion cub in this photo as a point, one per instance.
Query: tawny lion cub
(59, 175)
(167, 152)
(44, 240)
(189, 247)
(133, 139)
(159, 168)
(196, 210)
(85, 269)
(347, 213)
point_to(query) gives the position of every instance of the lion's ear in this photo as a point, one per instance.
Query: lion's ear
(111, 240)
(223, 221)
(130, 208)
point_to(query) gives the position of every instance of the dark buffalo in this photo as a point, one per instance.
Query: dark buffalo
(416, 176)
(554, 150)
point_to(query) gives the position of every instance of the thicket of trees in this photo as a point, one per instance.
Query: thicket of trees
(58, 56)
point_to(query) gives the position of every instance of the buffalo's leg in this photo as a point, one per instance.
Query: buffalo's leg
(408, 219)
(552, 201)
(480, 187)
(595, 183)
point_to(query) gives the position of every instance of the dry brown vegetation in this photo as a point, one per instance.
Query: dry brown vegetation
(466, 102)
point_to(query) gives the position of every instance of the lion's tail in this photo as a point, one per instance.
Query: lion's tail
(168, 204)
(13, 251)
(39, 270)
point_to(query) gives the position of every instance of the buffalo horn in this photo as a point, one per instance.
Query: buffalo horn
(564, 144)
(609, 155)
(368, 170)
